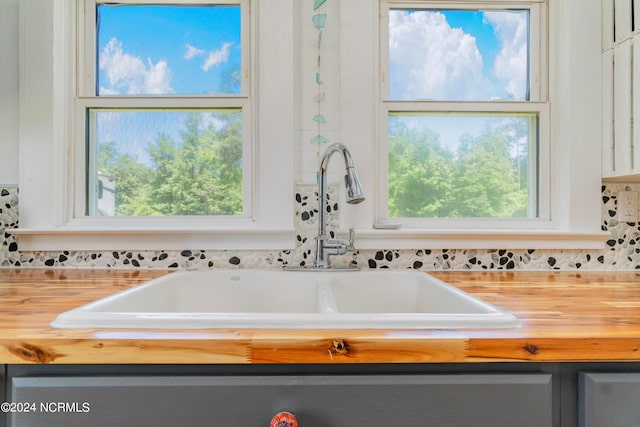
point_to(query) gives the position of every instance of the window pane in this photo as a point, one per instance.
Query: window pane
(143, 163)
(445, 166)
(183, 50)
(459, 55)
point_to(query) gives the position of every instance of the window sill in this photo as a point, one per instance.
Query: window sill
(479, 239)
(282, 239)
(55, 239)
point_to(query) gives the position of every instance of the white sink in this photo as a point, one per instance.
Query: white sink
(289, 300)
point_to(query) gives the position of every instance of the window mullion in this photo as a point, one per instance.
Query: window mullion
(86, 61)
(461, 107)
(537, 61)
(169, 102)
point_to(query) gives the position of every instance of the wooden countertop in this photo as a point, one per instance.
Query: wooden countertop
(565, 316)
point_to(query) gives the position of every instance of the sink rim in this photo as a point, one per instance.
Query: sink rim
(87, 317)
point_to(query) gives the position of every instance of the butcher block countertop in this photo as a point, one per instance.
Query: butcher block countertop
(564, 316)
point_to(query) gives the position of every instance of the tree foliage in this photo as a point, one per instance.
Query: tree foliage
(199, 175)
(484, 178)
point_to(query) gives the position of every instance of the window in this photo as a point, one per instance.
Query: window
(151, 138)
(171, 156)
(464, 115)
(485, 126)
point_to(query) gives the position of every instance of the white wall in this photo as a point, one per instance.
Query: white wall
(9, 92)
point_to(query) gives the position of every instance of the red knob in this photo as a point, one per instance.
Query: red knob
(284, 419)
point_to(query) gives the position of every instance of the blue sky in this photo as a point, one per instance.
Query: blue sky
(168, 49)
(446, 55)
(464, 56)
(150, 50)
(195, 50)
(458, 55)
(474, 24)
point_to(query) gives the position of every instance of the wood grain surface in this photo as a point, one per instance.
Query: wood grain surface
(564, 316)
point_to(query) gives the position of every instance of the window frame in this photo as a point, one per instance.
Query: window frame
(52, 208)
(540, 159)
(573, 203)
(537, 104)
(88, 98)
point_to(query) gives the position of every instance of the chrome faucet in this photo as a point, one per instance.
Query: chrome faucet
(326, 247)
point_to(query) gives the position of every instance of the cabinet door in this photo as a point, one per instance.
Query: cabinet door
(609, 400)
(317, 401)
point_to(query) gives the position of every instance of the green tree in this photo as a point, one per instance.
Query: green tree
(132, 180)
(203, 174)
(164, 193)
(485, 178)
(420, 174)
(199, 175)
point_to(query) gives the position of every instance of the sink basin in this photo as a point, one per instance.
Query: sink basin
(290, 300)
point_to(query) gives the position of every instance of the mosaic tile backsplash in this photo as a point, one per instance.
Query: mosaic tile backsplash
(622, 250)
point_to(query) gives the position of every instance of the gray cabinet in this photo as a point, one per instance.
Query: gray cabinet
(456, 400)
(3, 398)
(440, 395)
(609, 399)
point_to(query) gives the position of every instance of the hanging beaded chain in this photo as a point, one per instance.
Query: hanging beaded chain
(319, 21)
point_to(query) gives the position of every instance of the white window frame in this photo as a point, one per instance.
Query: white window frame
(88, 99)
(568, 101)
(538, 104)
(52, 144)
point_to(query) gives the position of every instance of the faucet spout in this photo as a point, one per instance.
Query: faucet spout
(354, 195)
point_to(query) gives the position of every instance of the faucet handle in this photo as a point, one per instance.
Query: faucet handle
(352, 237)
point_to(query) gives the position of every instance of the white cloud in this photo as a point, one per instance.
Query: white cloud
(193, 52)
(212, 120)
(431, 60)
(217, 56)
(511, 29)
(128, 74)
(107, 91)
(213, 58)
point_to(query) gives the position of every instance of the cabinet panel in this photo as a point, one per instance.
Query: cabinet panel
(635, 107)
(607, 24)
(607, 114)
(320, 401)
(622, 107)
(623, 19)
(609, 400)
